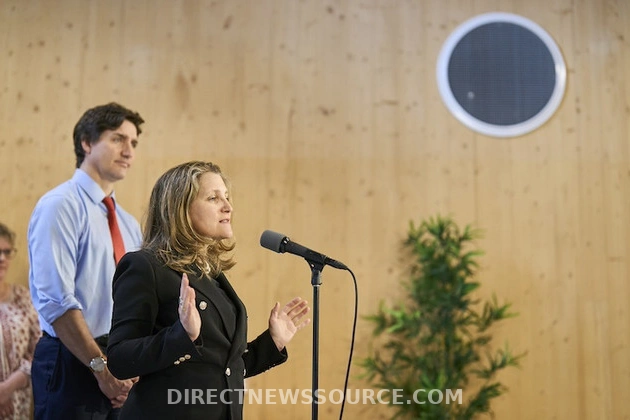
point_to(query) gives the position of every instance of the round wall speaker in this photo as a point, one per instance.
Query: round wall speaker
(501, 74)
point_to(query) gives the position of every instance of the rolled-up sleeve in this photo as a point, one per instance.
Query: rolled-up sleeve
(53, 238)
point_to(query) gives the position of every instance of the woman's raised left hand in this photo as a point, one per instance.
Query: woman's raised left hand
(285, 322)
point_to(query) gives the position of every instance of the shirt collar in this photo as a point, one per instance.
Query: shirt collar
(87, 184)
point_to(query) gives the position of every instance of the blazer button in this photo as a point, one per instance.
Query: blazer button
(228, 372)
(176, 362)
(244, 372)
(182, 359)
(187, 356)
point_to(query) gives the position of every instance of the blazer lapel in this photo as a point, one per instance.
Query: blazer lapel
(202, 286)
(238, 345)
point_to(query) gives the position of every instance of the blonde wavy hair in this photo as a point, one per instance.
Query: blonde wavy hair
(168, 230)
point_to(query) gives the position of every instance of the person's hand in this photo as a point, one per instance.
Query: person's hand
(5, 393)
(283, 324)
(113, 388)
(188, 313)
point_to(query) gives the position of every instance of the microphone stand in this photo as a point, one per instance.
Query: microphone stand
(316, 281)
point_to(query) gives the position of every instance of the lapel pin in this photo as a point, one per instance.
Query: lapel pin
(203, 305)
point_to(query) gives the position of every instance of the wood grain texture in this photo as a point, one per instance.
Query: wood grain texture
(328, 120)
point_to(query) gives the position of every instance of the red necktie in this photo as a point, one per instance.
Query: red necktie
(117, 241)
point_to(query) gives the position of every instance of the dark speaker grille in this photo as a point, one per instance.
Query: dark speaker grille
(501, 73)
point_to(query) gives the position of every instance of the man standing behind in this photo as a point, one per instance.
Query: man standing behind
(76, 236)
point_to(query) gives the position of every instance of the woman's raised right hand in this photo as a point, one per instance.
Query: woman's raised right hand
(187, 309)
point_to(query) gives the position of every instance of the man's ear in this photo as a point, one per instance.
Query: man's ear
(87, 147)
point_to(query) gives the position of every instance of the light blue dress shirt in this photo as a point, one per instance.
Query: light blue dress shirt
(71, 253)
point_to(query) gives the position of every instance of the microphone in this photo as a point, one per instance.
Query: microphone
(280, 243)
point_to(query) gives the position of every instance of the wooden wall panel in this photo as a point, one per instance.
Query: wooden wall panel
(328, 120)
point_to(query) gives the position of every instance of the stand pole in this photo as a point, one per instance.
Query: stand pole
(316, 281)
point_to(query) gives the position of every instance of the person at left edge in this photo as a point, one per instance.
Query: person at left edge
(19, 331)
(72, 264)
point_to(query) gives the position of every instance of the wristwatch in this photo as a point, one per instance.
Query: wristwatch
(98, 364)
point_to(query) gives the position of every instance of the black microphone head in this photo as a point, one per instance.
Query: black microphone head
(273, 240)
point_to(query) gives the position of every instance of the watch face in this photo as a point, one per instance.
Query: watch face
(98, 364)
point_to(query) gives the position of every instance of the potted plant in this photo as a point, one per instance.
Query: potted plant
(433, 351)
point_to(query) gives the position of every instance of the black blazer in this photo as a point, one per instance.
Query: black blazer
(179, 378)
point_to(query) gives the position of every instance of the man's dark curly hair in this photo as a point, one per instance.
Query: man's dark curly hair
(99, 119)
